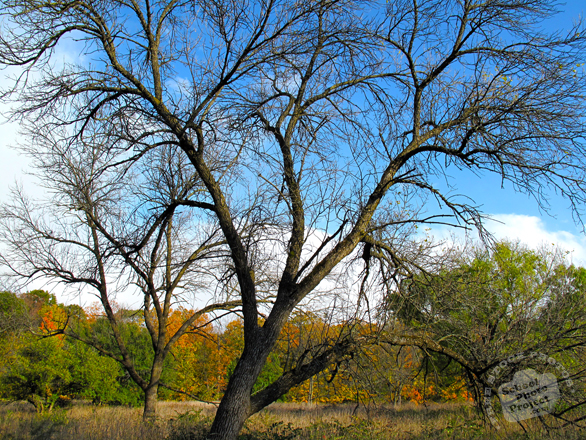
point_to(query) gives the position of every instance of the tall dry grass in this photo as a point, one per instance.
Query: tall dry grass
(282, 421)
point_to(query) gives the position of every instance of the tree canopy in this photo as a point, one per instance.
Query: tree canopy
(499, 310)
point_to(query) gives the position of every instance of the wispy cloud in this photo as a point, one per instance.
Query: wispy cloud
(529, 230)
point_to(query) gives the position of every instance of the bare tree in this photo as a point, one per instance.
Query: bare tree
(311, 116)
(111, 231)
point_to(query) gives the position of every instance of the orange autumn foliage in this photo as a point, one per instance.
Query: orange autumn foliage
(204, 357)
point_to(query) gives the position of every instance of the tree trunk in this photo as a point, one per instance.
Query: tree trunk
(151, 391)
(232, 413)
(150, 402)
(238, 404)
(234, 408)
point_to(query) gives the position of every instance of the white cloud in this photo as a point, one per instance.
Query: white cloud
(13, 164)
(532, 231)
(528, 230)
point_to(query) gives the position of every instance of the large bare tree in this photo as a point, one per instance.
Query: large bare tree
(334, 116)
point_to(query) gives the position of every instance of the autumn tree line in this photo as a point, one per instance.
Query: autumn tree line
(486, 308)
(54, 370)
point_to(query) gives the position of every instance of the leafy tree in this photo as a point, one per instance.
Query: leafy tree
(14, 316)
(194, 369)
(38, 373)
(488, 306)
(100, 378)
(313, 132)
(52, 370)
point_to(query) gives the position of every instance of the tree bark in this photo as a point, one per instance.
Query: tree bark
(238, 403)
(234, 408)
(152, 389)
(150, 402)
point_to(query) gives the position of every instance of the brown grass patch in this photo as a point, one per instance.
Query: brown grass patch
(281, 421)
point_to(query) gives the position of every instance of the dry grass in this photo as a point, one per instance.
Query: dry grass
(190, 421)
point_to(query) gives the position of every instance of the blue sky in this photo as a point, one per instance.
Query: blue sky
(519, 214)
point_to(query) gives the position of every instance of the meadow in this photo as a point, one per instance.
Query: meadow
(281, 421)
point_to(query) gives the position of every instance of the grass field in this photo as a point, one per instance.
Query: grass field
(190, 421)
